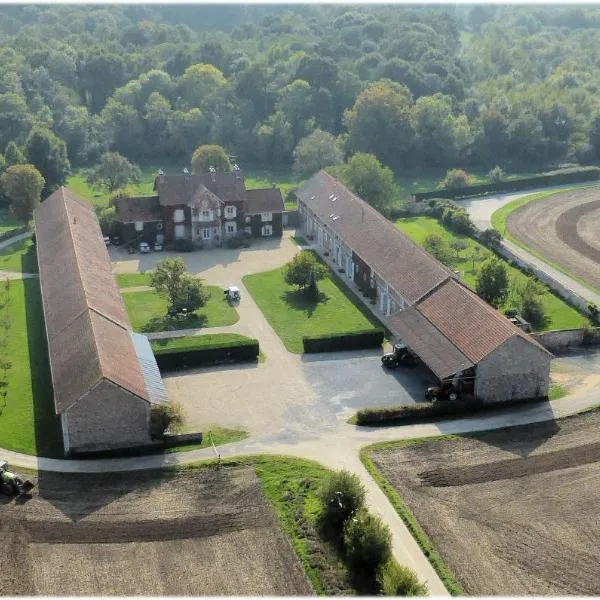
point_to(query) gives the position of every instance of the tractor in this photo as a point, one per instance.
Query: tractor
(401, 355)
(12, 484)
(443, 392)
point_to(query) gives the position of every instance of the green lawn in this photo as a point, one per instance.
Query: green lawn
(284, 179)
(9, 222)
(148, 312)
(219, 436)
(194, 342)
(125, 280)
(559, 314)
(499, 222)
(20, 256)
(27, 420)
(293, 316)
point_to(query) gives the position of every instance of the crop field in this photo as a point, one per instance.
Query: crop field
(196, 532)
(512, 512)
(564, 228)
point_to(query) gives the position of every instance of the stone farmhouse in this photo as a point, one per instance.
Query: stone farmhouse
(105, 377)
(456, 334)
(205, 209)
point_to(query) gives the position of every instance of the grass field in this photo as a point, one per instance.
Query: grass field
(148, 312)
(293, 316)
(559, 314)
(27, 420)
(9, 222)
(20, 257)
(125, 280)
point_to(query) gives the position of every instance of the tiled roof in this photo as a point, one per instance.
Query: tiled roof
(263, 200)
(434, 349)
(86, 323)
(140, 208)
(407, 268)
(181, 189)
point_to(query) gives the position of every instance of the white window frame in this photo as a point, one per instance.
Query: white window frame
(231, 227)
(267, 230)
(230, 212)
(266, 216)
(139, 225)
(206, 233)
(179, 215)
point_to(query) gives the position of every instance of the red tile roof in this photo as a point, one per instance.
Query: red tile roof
(407, 268)
(86, 323)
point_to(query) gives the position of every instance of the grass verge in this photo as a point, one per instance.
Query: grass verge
(125, 280)
(405, 513)
(148, 312)
(500, 216)
(219, 435)
(559, 315)
(293, 316)
(556, 391)
(20, 257)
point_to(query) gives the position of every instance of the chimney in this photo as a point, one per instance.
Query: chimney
(212, 174)
(161, 176)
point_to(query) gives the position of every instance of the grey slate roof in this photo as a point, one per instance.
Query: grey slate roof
(264, 200)
(407, 268)
(157, 394)
(87, 327)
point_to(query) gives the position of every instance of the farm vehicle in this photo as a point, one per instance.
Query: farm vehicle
(12, 484)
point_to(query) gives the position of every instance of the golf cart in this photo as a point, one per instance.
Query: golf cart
(400, 355)
(232, 294)
(443, 392)
(12, 484)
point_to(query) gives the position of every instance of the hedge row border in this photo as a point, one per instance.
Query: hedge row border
(171, 359)
(351, 340)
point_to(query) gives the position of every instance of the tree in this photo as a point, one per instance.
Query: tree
(15, 118)
(295, 103)
(341, 497)
(437, 247)
(208, 156)
(456, 178)
(492, 282)
(475, 256)
(316, 151)
(458, 246)
(370, 180)
(107, 219)
(491, 237)
(182, 291)
(526, 294)
(13, 156)
(22, 186)
(367, 543)
(112, 172)
(496, 175)
(48, 154)
(304, 270)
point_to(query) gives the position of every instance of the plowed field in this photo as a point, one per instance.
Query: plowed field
(202, 532)
(565, 228)
(512, 512)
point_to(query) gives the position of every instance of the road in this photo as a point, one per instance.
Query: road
(481, 209)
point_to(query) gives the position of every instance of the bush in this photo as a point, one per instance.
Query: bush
(413, 413)
(549, 179)
(169, 359)
(356, 340)
(490, 237)
(341, 497)
(396, 580)
(593, 310)
(456, 178)
(165, 416)
(496, 175)
(367, 543)
(237, 241)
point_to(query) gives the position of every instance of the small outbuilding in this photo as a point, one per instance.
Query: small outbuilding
(104, 378)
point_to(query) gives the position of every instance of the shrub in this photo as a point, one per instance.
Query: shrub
(341, 497)
(490, 237)
(165, 416)
(396, 580)
(169, 359)
(496, 175)
(456, 178)
(593, 310)
(355, 340)
(367, 542)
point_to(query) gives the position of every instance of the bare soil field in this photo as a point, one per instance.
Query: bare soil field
(200, 532)
(565, 228)
(512, 512)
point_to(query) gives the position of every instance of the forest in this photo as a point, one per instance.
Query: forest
(463, 86)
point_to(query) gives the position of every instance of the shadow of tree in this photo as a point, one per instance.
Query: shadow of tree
(298, 300)
(166, 323)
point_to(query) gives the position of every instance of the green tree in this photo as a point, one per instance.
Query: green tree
(182, 291)
(22, 186)
(13, 156)
(15, 118)
(492, 282)
(370, 180)
(437, 246)
(456, 178)
(496, 175)
(304, 270)
(295, 101)
(491, 237)
(48, 154)
(208, 156)
(458, 246)
(341, 496)
(317, 151)
(367, 543)
(381, 122)
(527, 295)
(112, 172)
(107, 219)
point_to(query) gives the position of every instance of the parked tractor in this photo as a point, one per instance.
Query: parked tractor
(443, 392)
(400, 355)
(12, 484)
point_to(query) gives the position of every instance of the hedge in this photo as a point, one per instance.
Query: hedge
(352, 340)
(14, 232)
(423, 412)
(169, 359)
(549, 179)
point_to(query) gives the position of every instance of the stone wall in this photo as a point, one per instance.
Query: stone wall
(555, 341)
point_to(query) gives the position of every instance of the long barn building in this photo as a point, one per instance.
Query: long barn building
(456, 334)
(104, 376)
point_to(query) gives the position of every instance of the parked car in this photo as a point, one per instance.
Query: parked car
(144, 247)
(158, 247)
(116, 240)
(107, 240)
(400, 355)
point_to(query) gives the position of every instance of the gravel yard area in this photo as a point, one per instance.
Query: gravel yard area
(200, 532)
(512, 512)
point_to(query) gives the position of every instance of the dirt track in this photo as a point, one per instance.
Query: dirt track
(202, 532)
(512, 512)
(565, 228)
